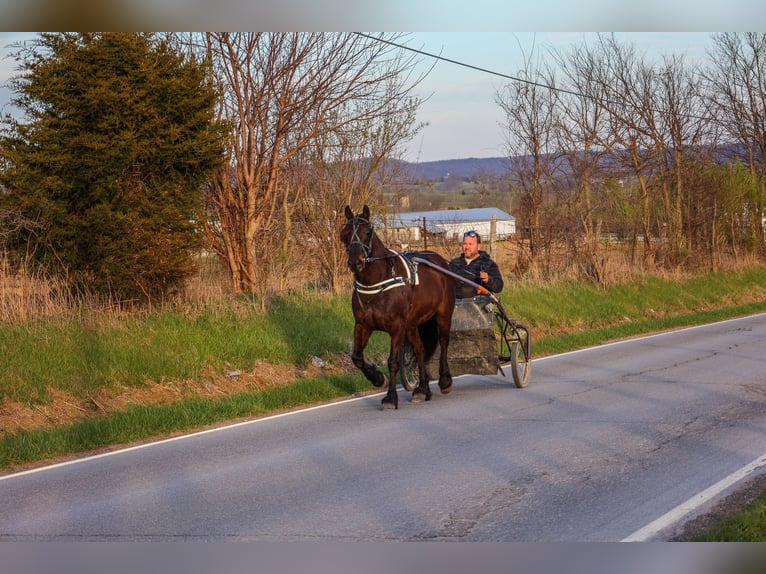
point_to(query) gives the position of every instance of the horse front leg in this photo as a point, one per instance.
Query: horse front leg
(370, 371)
(423, 391)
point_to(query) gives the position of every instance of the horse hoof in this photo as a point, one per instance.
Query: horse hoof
(379, 383)
(388, 403)
(445, 389)
(419, 397)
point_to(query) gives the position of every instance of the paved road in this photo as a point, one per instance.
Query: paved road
(603, 442)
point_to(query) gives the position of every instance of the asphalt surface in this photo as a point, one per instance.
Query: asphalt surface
(603, 442)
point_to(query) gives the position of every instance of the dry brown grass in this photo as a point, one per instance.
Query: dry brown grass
(25, 295)
(615, 264)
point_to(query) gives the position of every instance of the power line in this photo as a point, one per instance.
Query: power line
(501, 75)
(471, 66)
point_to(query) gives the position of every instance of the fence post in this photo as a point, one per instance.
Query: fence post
(492, 234)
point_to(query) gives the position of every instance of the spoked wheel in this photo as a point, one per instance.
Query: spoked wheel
(515, 348)
(521, 361)
(408, 368)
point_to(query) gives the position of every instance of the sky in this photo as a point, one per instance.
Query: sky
(459, 105)
(463, 116)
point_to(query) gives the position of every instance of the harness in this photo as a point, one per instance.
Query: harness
(410, 267)
(411, 278)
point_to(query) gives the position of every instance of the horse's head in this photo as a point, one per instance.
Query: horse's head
(357, 235)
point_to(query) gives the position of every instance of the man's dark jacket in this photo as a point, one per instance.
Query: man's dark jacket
(471, 272)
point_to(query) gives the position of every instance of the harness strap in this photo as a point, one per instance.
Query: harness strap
(379, 287)
(410, 268)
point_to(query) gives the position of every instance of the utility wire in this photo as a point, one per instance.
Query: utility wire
(471, 66)
(501, 75)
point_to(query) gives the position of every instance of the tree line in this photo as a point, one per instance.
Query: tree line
(136, 151)
(668, 156)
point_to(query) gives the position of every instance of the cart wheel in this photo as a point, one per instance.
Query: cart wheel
(520, 366)
(514, 347)
(408, 368)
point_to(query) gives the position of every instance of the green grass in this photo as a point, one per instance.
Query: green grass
(569, 306)
(81, 353)
(142, 422)
(747, 526)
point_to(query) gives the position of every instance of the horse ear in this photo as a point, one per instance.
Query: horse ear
(349, 213)
(366, 212)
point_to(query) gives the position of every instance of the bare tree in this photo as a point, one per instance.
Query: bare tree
(626, 86)
(678, 128)
(282, 93)
(736, 81)
(529, 107)
(579, 135)
(354, 165)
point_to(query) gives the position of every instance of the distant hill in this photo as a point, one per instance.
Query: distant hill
(460, 168)
(470, 168)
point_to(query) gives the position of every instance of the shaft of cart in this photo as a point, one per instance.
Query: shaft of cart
(480, 289)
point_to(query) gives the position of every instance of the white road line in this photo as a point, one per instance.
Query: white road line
(183, 437)
(671, 331)
(652, 529)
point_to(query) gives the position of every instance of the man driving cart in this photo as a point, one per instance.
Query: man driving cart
(482, 336)
(477, 266)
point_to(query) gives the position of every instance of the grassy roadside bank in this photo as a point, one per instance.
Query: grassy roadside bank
(88, 356)
(265, 359)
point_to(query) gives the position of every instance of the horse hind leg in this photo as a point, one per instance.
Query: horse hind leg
(445, 377)
(423, 391)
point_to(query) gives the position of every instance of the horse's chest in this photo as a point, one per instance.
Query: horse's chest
(381, 312)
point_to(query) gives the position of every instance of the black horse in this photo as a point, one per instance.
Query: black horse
(407, 301)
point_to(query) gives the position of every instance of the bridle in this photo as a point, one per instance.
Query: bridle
(356, 222)
(411, 272)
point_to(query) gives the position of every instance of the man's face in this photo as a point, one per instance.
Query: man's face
(470, 247)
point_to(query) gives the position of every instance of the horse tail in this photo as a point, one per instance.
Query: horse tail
(429, 335)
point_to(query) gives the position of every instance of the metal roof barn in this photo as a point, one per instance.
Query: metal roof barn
(451, 223)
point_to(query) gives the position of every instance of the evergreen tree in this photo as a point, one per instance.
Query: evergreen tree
(116, 142)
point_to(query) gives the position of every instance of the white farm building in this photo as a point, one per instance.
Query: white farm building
(450, 224)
